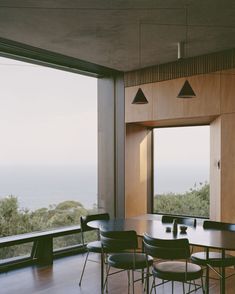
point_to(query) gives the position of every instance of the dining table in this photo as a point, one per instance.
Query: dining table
(153, 226)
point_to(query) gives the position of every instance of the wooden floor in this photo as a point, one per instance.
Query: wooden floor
(63, 277)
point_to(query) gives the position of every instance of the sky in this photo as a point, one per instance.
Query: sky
(181, 158)
(47, 116)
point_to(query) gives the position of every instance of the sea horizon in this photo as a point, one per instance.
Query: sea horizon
(38, 186)
(41, 186)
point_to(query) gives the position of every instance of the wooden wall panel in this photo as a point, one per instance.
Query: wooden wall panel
(228, 91)
(177, 122)
(207, 101)
(228, 167)
(142, 112)
(137, 170)
(215, 171)
(164, 104)
(215, 104)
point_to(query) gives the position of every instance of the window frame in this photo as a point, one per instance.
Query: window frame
(26, 53)
(153, 160)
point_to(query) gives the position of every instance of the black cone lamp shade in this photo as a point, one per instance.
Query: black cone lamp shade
(140, 98)
(186, 91)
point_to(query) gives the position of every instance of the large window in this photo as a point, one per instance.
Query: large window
(181, 170)
(48, 149)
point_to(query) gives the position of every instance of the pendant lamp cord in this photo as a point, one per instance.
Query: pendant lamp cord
(139, 44)
(186, 30)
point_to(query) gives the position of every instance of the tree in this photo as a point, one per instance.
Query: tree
(193, 203)
(14, 220)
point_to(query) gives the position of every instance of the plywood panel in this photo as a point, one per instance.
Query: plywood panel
(228, 91)
(194, 121)
(228, 167)
(228, 71)
(215, 171)
(214, 104)
(166, 105)
(137, 170)
(142, 112)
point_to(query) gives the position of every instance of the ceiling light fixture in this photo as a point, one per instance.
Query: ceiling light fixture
(139, 96)
(180, 50)
(186, 91)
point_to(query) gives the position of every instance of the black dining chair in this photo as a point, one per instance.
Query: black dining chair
(173, 265)
(213, 259)
(94, 246)
(121, 250)
(187, 221)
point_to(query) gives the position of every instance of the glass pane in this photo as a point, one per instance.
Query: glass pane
(181, 171)
(66, 241)
(48, 152)
(12, 253)
(73, 240)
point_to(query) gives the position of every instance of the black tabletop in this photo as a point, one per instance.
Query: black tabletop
(155, 228)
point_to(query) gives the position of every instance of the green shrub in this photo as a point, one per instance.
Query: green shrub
(194, 202)
(14, 220)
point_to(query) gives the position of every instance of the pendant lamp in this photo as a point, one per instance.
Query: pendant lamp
(186, 91)
(140, 98)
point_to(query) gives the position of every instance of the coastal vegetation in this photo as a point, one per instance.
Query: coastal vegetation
(194, 202)
(14, 220)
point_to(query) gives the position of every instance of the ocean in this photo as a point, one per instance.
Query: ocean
(41, 186)
(179, 179)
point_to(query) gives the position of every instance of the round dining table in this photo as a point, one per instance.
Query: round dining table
(197, 236)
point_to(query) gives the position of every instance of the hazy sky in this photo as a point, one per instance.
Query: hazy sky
(47, 116)
(181, 158)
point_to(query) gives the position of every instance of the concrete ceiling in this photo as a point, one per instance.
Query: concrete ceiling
(121, 34)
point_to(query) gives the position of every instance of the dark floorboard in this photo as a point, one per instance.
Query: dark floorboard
(63, 277)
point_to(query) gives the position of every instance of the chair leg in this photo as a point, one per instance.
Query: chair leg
(142, 276)
(189, 287)
(105, 284)
(203, 289)
(133, 286)
(155, 291)
(222, 281)
(147, 280)
(107, 273)
(128, 276)
(83, 269)
(183, 288)
(153, 284)
(102, 284)
(207, 279)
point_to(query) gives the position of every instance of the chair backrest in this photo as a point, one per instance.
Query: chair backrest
(212, 225)
(167, 249)
(88, 218)
(188, 221)
(115, 241)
